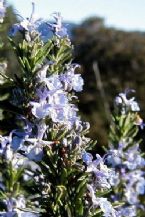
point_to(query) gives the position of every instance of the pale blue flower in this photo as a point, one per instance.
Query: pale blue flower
(77, 83)
(33, 149)
(103, 203)
(131, 158)
(53, 82)
(87, 157)
(57, 27)
(40, 110)
(57, 98)
(113, 158)
(26, 25)
(107, 208)
(71, 80)
(63, 113)
(126, 103)
(104, 176)
(58, 114)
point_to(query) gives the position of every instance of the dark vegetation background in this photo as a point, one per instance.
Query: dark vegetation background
(120, 56)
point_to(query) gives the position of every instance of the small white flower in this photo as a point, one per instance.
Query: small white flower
(127, 103)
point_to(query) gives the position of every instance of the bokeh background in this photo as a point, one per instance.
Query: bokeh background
(109, 44)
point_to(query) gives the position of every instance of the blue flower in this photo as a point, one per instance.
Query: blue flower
(26, 25)
(87, 157)
(71, 80)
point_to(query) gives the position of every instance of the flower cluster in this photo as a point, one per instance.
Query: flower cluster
(53, 99)
(129, 165)
(47, 167)
(124, 156)
(27, 25)
(102, 178)
(30, 26)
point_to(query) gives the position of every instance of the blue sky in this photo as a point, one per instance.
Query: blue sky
(123, 14)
